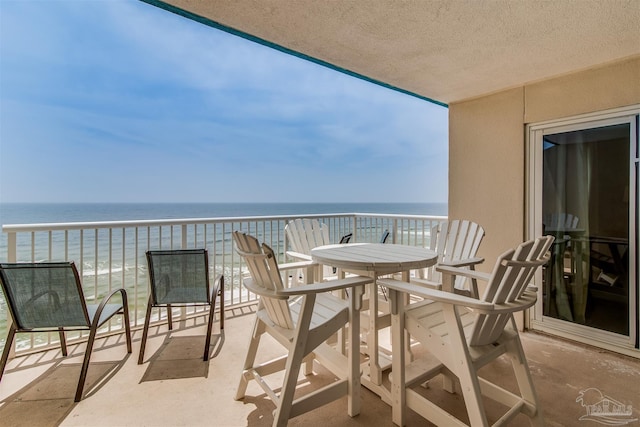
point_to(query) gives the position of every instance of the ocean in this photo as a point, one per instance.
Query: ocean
(35, 213)
(39, 213)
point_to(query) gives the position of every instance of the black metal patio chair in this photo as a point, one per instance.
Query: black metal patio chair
(180, 277)
(48, 297)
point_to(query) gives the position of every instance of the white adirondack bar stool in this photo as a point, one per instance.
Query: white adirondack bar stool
(301, 319)
(464, 334)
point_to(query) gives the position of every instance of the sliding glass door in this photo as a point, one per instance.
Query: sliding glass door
(583, 190)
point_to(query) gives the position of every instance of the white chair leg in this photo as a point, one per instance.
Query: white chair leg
(297, 354)
(473, 398)
(398, 392)
(466, 375)
(8, 345)
(258, 330)
(281, 416)
(523, 377)
(353, 357)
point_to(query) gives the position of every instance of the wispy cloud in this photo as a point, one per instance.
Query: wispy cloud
(100, 99)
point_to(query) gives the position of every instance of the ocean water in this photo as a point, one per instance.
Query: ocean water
(38, 213)
(34, 213)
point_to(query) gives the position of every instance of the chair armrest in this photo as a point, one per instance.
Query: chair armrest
(218, 290)
(296, 265)
(329, 286)
(425, 282)
(313, 288)
(528, 299)
(96, 321)
(218, 285)
(258, 290)
(436, 295)
(463, 262)
(455, 271)
(299, 255)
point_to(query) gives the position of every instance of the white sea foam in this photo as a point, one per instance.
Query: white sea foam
(102, 271)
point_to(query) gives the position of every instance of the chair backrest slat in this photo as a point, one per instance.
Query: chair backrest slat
(448, 234)
(44, 295)
(305, 234)
(512, 274)
(293, 232)
(459, 244)
(179, 276)
(454, 240)
(263, 267)
(473, 240)
(457, 239)
(319, 232)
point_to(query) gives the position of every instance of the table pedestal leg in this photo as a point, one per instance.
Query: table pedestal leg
(372, 370)
(398, 395)
(355, 303)
(375, 373)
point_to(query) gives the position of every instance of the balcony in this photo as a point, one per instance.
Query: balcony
(165, 392)
(174, 387)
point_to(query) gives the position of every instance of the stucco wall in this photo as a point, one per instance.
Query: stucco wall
(486, 169)
(487, 144)
(613, 86)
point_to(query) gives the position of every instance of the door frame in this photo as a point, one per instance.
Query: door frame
(533, 225)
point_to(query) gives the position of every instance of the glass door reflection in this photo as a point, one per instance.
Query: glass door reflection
(585, 198)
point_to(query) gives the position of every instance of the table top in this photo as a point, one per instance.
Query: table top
(381, 258)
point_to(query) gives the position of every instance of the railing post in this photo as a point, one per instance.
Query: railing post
(12, 247)
(395, 231)
(183, 245)
(355, 229)
(11, 257)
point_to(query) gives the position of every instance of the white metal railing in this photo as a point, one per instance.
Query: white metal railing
(111, 255)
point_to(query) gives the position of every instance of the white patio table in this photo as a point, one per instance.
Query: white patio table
(374, 259)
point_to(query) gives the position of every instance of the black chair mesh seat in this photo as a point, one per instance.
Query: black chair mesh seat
(48, 296)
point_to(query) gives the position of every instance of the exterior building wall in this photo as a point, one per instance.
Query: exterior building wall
(486, 169)
(487, 144)
(604, 88)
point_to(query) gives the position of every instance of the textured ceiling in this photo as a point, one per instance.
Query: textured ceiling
(446, 51)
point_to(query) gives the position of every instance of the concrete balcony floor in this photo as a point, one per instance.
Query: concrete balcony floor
(175, 388)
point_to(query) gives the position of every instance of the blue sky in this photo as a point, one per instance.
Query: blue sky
(119, 101)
